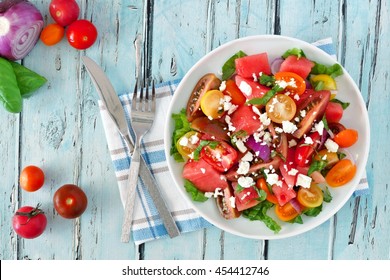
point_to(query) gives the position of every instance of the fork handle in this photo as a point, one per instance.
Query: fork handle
(130, 196)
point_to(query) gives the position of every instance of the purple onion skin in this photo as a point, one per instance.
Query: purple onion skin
(275, 65)
(262, 151)
(26, 23)
(6, 4)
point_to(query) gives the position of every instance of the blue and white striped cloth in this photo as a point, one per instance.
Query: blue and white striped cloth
(147, 224)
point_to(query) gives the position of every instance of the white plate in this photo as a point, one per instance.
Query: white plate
(354, 117)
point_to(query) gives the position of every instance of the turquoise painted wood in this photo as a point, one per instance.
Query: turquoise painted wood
(61, 131)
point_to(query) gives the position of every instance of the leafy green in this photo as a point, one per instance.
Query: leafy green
(9, 91)
(318, 85)
(343, 104)
(327, 195)
(203, 143)
(259, 213)
(229, 67)
(28, 80)
(334, 70)
(266, 80)
(296, 220)
(295, 51)
(196, 195)
(182, 126)
(317, 165)
(313, 212)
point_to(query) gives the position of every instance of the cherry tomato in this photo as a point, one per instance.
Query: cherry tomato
(334, 112)
(262, 184)
(221, 157)
(304, 151)
(31, 178)
(331, 158)
(328, 83)
(70, 201)
(29, 222)
(188, 143)
(234, 92)
(286, 212)
(211, 104)
(64, 12)
(211, 127)
(341, 173)
(346, 138)
(81, 34)
(281, 108)
(52, 34)
(311, 197)
(295, 83)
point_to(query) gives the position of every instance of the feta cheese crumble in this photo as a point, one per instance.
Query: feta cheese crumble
(331, 145)
(303, 181)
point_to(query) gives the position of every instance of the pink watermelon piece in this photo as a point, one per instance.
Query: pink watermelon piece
(245, 119)
(253, 64)
(257, 90)
(301, 66)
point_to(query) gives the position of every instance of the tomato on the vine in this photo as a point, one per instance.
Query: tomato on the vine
(31, 178)
(29, 222)
(52, 34)
(64, 12)
(81, 34)
(70, 201)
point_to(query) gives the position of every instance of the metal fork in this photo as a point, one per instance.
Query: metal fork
(143, 109)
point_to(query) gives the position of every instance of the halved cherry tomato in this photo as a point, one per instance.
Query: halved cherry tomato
(281, 108)
(234, 92)
(52, 34)
(295, 83)
(328, 83)
(211, 104)
(262, 184)
(311, 197)
(346, 138)
(334, 112)
(314, 104)
(341, 173)
(286, 212)
(222, 157)
(206, 83)
(211, 127)
(304, 152)
(330, 157)
(187, 144)
(225, 206)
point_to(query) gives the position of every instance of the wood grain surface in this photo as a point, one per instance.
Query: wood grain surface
(60, 128)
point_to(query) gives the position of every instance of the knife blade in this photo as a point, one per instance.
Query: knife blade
(116, 112)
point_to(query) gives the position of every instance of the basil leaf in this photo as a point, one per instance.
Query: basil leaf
(203, 143)
(334, 70)
(295, 51)
(343, 104)
(263, 100)
(327, 195)
(316, 165)
(28, 80)
(259, 212)
(229, 67)
(196, 195)
(266, 80)
(9, 91)
(313, 212)
(296, 220)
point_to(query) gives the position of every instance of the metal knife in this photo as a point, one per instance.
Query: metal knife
(116, 112)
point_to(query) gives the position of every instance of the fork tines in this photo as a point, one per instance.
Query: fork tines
(141, 102)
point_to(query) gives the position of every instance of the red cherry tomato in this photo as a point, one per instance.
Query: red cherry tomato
(81, 34)
(70, 201)
(221, 157)
(29, 222)
(234, 92)
(31, 178)
(64, 12)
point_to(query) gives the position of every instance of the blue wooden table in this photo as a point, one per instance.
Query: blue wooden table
(60, 127)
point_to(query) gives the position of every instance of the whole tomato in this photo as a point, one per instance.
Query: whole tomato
(29, 222)
(70, 201)
(81, 34)
(64, 12)
(31, 178)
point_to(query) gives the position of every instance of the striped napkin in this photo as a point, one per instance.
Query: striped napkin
(147, 224)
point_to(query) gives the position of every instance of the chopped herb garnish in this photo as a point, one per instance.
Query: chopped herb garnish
(327, 195)
(203, 143)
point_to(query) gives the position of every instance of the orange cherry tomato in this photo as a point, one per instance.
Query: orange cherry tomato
(311, 197)
(331, 158)
(295, 83)
(31, 178)
(234, 92)
(346, 138)
(281, 108)
(52, 34)
(262, 184)
(341, 173)
(286, 212)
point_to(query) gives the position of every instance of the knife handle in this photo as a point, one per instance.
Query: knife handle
(130, 196)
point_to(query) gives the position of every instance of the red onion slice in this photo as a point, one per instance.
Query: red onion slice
(275, 65)
(261, 149)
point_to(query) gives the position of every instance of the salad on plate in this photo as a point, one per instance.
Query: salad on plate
(265, 136)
